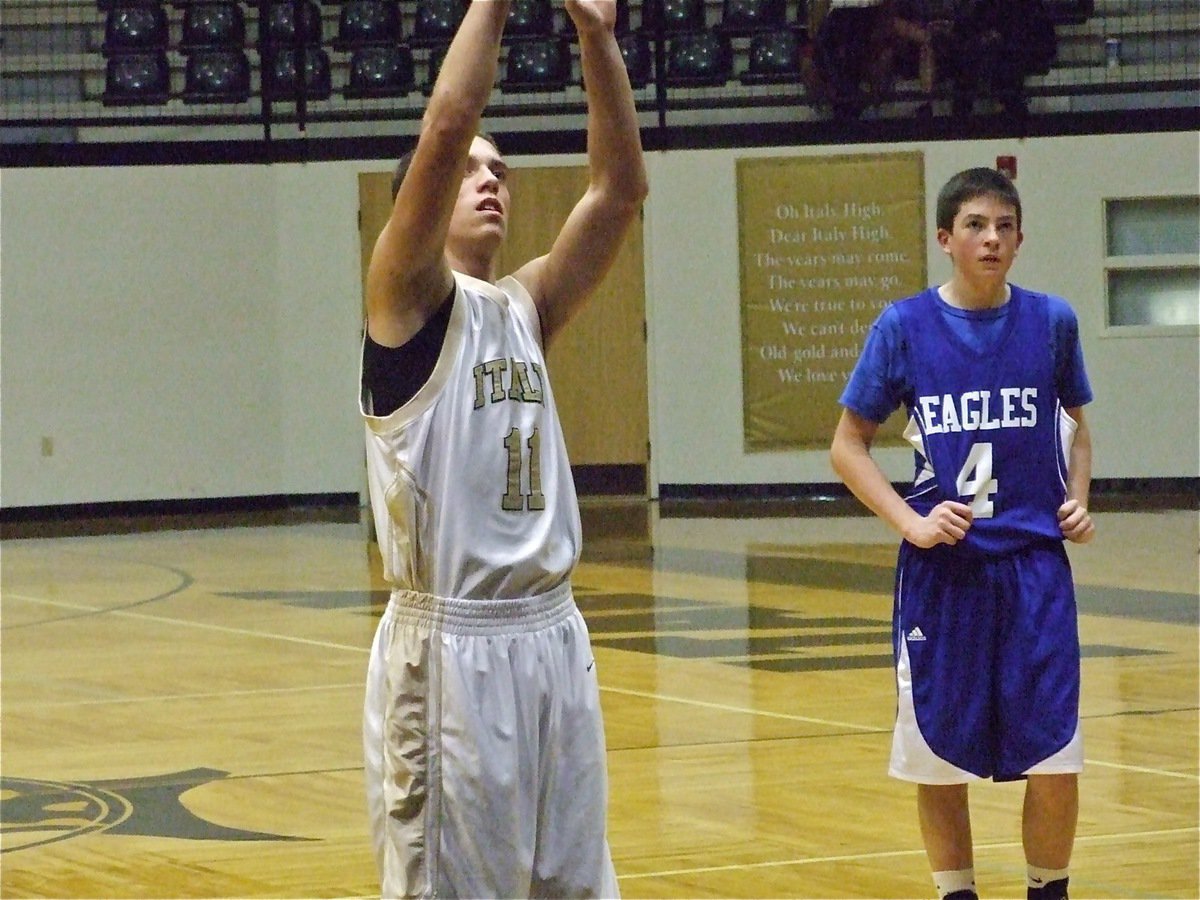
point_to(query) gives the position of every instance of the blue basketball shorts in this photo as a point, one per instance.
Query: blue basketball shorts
(987, 665)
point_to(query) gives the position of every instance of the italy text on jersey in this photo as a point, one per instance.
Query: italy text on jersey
(508, 379)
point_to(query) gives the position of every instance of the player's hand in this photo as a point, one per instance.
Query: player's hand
(947, 523)
(1075, 522)
(587, 14)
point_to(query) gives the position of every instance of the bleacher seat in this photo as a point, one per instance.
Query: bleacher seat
(137, 79)
(212, 25)
(673, 15)
(742, 17)
(368, 23)
(699, 59)
(774, 57)
(537, 65)
(529, 19)
(134, 28)
(436, 21)
(380, 72)
(216, 76)
(284, 79)
(282, 29)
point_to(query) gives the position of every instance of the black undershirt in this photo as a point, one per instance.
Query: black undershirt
(393, 375)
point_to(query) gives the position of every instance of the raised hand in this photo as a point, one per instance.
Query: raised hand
(592, 13)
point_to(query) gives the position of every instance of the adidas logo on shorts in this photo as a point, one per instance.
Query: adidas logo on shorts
(916, 634)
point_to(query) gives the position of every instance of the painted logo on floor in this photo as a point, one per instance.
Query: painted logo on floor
(34, 812)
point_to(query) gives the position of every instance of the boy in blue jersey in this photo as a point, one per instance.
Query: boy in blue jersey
(984, 628)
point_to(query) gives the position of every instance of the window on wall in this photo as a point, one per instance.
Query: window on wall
(1152, 250)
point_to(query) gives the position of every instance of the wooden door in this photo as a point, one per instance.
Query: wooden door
(374, 207)
(598, 364)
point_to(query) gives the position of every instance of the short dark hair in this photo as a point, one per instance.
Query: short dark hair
(972, 183)
(406, 160)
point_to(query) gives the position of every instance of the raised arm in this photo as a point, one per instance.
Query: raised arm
(409, 275)
(584, 250)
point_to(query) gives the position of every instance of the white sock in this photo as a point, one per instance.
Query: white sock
(1037, 877)
(954, 880)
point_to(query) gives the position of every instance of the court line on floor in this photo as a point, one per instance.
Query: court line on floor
(892, 854)
(167, 620)
(209, 695)
(724, 707)
(185, 582)
(1142, 769)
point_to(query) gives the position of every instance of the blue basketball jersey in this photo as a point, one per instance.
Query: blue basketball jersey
(986, 421)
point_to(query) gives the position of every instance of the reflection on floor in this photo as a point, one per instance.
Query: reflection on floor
(181, 708)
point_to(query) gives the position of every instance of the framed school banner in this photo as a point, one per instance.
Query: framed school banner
(825, 244)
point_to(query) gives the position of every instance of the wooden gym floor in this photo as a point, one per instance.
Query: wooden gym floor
(180, 710)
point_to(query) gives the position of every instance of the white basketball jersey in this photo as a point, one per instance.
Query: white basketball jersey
(470, 484)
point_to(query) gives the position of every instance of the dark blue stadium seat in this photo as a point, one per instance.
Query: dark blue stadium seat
(436, 21)
(368, 23)
(282, 29)
(742, 17)
(699, 59)
(673, 15)
(137, 79)
(135, 28)
(216, 76)
(212, 25)
(538, 65)
(774, 57)
(380, 72)
(529, 19)
(283, 79)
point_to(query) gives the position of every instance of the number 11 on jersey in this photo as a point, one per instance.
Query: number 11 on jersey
(514, 500)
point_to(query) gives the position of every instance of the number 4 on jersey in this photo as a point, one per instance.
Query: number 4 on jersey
(976, 482)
